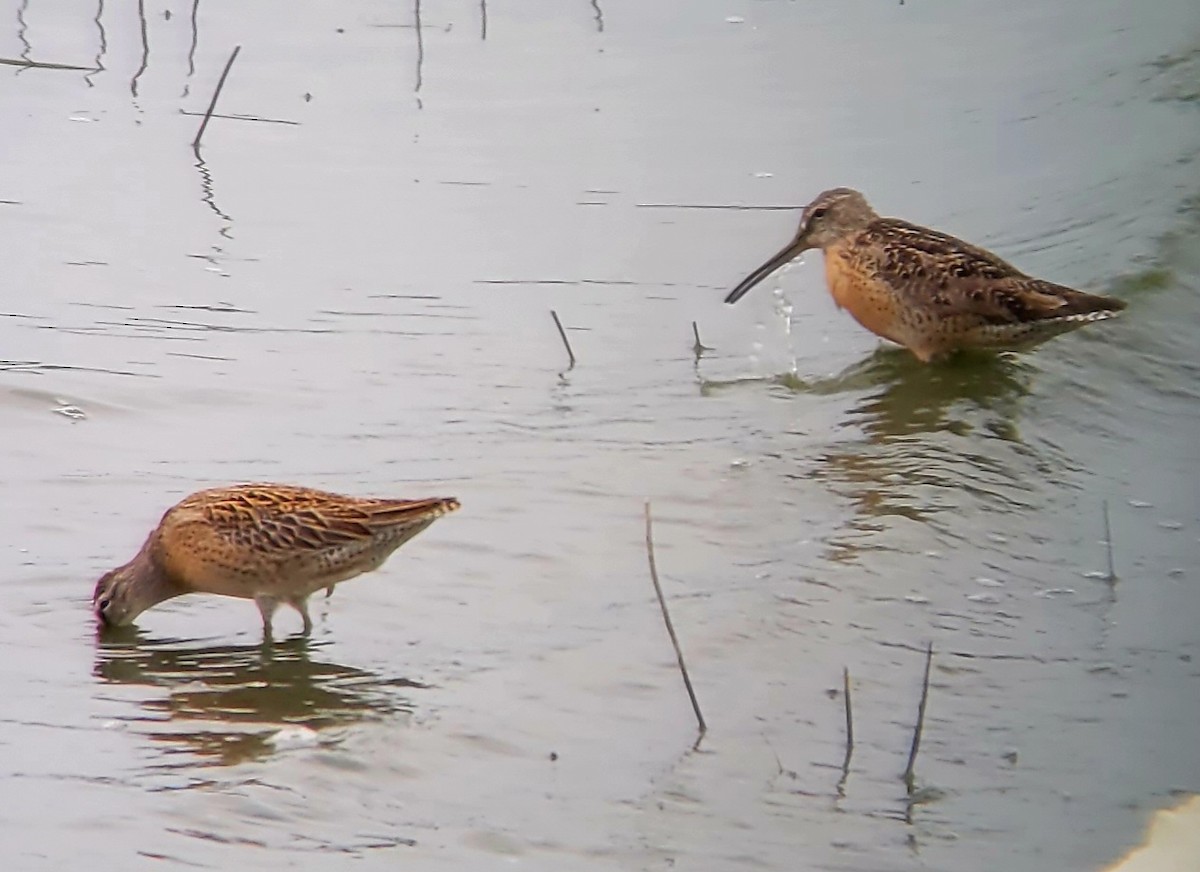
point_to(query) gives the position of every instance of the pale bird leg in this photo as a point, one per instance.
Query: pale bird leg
(300, 604)
(267, 606)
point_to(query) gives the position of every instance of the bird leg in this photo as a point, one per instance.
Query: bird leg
(300, 604)
(266, 606)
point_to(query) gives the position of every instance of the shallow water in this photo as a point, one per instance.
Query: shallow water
(355, 294)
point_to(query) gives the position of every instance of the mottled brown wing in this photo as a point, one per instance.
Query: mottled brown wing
(950, 277)
(282, 520)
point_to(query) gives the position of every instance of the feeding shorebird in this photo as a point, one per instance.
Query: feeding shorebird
(272, 543)
(925, 290)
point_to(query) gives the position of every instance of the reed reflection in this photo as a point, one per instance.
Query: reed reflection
(145, 59)
(191, 55)
(101, 47)
(23, 31)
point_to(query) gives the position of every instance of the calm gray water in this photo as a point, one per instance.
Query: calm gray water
(354, 292)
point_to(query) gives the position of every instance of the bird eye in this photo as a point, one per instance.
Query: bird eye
(819, 212)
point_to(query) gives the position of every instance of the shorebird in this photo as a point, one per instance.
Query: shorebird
(925, 290)
(272, 543)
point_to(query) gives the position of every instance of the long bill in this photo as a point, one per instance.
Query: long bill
(792, 250)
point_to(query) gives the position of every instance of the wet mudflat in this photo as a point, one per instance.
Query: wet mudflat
(349, 287)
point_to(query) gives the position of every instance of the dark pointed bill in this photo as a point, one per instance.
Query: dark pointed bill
(783, 256)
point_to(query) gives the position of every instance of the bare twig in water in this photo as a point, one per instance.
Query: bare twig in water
(243, 118)
(599, 16)
(849, 714)
(662, 602)
(420, 52)
(217, 93)
(43, 65)
(778, 762)
(563, 334)
(916, 742)
(1108, 545)
(841, 786)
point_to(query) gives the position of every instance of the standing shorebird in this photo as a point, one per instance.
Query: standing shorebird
(272, 543)
(927, 291)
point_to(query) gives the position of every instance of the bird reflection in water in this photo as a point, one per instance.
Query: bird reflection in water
(909, 457)
(228, 703)
(901, 399)
(900, 449)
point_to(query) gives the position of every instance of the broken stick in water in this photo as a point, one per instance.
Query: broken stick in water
(916, 742)
(217, 93)
(563, 334)
(662, 602)
(1108, 545)
(841, 785)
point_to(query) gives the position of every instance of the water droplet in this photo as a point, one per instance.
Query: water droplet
(69, 411)
(293, 737)
(987, 599)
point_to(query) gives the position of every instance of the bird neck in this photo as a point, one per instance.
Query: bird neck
(151, 581)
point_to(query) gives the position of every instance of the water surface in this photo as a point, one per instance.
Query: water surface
(352, 289)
